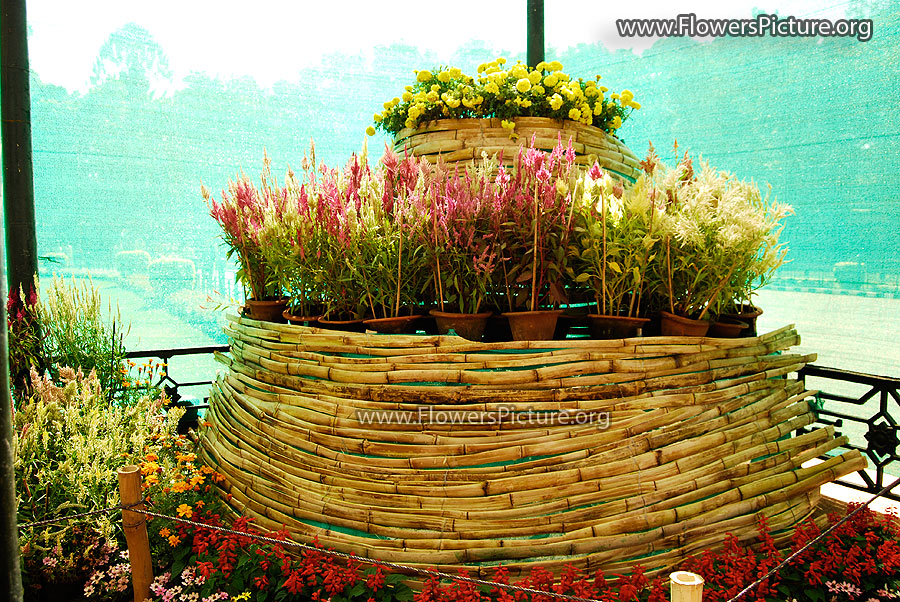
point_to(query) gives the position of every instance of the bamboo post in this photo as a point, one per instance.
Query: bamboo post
(135, 526)
(686, 587)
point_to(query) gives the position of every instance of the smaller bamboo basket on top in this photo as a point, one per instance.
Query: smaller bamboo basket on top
(463, 141)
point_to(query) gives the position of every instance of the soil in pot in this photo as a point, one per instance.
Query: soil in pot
(747, 313)
(342, 325)
(299, 320)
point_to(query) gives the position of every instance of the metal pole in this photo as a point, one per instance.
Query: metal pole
(18, 184)
(535, 25)
(18, 198)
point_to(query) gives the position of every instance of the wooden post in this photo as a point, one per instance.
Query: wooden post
(686, 587)
(136, 532)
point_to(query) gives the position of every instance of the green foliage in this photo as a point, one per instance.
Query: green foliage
(69, 444)
(80, 333)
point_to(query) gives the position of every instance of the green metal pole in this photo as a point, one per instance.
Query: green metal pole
(18, 183)
(18, 202)
(535, 24)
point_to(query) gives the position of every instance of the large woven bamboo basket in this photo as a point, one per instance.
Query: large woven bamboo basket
(700, 438)
(462, 141)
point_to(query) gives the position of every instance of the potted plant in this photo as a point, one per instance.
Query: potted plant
(462, 236)
(292, 249)
(241, 215)
(537, 221)
(612, 246)
(717, 234)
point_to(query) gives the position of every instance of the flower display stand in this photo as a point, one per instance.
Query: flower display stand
(596, 454)
(461, 141)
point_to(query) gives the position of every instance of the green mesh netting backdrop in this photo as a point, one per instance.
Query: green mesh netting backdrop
(120, 154)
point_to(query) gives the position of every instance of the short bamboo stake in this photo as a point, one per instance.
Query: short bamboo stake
(135, 526)
(686, 587)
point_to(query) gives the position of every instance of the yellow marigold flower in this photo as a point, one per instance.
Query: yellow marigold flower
(542, 66)
(538, 90)
(555, 66)
(453, 102)
(174, 540)
(410, 122)
(598, 108)
(535, 77)
(443, 76)
(509, 125)
(184, 510)
(164, 532)
(616, 122)
(414, 112)
(435, 88)
(424, 76)
(556, 102)
(551, 80)
(626, 96)
(482, 67)
(432, 96)
(501, 60)
(574, 114)
(523, 85)
(514, 136)
(591, 91)
(152, 480)
(522, 102)
(387, 106)
(492, 88)
(479, 99)
(635, 105)
(407, 96)
(614, 95)
(455, 72)
(604, 89)
(370, 131)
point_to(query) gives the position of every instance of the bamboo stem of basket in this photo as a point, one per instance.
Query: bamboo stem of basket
(686, 587)
(135, 526)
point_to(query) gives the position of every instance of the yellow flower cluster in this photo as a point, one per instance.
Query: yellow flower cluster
(506, 92)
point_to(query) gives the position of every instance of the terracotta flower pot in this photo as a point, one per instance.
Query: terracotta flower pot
(616, 327)
(748, 313)
(533, 325)
(679, 326)
(468, 326)
(343, 325)
(726, 328)
(266, 311)
(393, 325)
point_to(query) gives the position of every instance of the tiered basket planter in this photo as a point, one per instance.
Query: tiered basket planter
(460, 141)
(700, 439)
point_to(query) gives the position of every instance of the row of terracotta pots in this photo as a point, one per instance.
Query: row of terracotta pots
(539, 325)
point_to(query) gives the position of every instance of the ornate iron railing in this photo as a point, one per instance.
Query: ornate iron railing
(866, 419)
(170, 385)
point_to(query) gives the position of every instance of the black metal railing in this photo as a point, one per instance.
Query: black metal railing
(866, 419)
(172, 387)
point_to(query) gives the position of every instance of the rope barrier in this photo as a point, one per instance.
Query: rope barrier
(382, 563)
(809, 544)
(71, 517)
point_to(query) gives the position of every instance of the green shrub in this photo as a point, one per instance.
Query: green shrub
(69, 445)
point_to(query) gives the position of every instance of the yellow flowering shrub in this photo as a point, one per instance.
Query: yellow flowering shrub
(519, 91)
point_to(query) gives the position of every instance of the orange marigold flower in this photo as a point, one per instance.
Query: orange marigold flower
(164, 532)
(185, 511)
(200, 503)
(174, 540)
